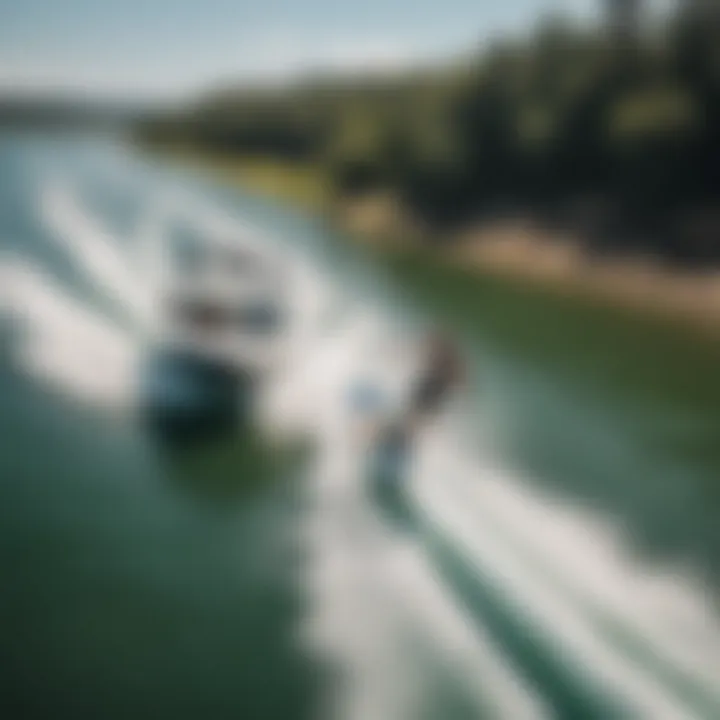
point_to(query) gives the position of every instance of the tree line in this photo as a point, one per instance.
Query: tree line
(614, 133)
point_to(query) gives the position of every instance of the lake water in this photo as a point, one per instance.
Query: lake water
(555, 551)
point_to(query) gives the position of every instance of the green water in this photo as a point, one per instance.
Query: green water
(141, 581)
(140, 584)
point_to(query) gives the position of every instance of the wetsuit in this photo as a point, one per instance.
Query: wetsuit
(430, 392)
(436, 383)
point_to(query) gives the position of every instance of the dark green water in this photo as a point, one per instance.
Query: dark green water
(137, 580)
(141, 584)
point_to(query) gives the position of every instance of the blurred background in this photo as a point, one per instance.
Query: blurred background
(225, 230)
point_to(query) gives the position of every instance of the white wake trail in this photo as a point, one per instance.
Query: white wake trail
(535, 594)
(97, 252)
(376, 595)
(64, 343)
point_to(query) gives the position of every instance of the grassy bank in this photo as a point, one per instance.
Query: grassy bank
(299, 184)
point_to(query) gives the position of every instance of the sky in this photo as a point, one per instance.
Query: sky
(173, 49)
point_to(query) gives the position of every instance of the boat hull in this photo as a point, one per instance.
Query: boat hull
(185, 395)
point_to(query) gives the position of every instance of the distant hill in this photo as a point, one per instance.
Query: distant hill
(64, 111)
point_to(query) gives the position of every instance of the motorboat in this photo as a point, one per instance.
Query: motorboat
(221, 329)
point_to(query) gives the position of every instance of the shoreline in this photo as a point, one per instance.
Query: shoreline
(515, 249)
(518, 250)
(640, 284)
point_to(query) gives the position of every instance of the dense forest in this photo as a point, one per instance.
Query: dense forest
(614, 131)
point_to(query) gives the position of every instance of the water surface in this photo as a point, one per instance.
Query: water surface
(553, 553)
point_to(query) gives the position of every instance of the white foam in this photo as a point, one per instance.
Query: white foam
(65, 343)
(375, 594)
(96, 251)
(572, 629)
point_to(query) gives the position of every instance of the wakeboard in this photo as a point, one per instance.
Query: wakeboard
(390, 448)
